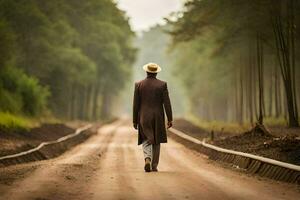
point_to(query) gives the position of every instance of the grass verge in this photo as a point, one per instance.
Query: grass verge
(231, 127)
(13, 122)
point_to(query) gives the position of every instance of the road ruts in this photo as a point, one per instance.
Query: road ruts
(109, 165)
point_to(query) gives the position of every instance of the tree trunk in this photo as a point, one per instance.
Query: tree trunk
(73, 106)
(286, 55)
(87, 106)
(277, 94)
(259, 52)
(81, 97)
(95, 101)
(250, 90)
(292, 27)
(106, 105)
(241, 95)
(251, 94)
(271, 84)
(237, 110)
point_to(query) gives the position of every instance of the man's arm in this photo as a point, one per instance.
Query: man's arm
(136, 105)
(167, 105)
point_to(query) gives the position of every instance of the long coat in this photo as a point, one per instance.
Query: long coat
(151, 97)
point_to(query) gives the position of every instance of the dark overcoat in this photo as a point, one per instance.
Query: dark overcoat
(151, 98)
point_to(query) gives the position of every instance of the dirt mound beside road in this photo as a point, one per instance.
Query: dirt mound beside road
(283, 148)
(48, 132)
(15, 141)
(190, 128)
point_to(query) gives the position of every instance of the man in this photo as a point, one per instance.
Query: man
(151, 98)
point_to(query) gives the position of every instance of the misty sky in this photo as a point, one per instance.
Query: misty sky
(146, 13)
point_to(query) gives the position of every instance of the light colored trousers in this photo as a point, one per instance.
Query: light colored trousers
(151, 151)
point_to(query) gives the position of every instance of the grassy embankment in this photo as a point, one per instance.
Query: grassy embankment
(230, 127)
(13, 122)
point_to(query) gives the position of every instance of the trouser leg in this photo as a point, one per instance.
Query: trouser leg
(151, 151)
(147, 149)
(155, 155)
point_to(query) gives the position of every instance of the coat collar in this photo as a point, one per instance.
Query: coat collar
(151, 76)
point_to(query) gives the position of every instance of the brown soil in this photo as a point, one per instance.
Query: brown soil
(284, 148)
(14, 141)
(277, 143)
(284, 131)
(109, 165)
(197, 132)
(190, 128)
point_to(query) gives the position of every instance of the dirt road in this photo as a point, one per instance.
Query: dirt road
(109, 165)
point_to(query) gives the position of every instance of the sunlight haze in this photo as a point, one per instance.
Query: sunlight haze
(144, 13)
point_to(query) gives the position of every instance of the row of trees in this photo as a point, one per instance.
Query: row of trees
(244, 63)
(75, 54)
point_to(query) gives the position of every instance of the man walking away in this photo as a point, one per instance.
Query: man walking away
(151, 99)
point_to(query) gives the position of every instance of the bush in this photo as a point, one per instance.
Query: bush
(10, 102)
(20, 93)
(13, 122)
(33, 95)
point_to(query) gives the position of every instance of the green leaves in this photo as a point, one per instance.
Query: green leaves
(21, 93)
(67, 46)
(7, 38)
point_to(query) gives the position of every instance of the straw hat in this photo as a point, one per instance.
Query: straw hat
(152, 68)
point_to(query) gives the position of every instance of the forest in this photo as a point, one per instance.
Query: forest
(225, 60)
(67, 59)
(239, 60)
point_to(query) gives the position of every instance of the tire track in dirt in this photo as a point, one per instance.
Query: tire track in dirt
(111, 176)
(216, 180)
(183, 174)
(118, 174)
(54, 179)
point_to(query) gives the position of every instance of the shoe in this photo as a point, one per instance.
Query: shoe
(147, 165)
(154, 170)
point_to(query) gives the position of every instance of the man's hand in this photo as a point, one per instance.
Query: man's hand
(170, 124)
(135, 126)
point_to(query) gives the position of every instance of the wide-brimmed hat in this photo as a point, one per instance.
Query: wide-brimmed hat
(152, 68)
